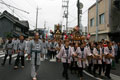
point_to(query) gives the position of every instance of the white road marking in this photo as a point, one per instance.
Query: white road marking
(115, 77)
(2, 55)
(14, 55)
(91, 75)
(53, 60)
(1, 51)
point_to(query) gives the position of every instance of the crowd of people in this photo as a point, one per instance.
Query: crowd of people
(76, 56)
(95, 57)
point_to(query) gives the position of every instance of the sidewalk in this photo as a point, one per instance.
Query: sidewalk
(117, 70)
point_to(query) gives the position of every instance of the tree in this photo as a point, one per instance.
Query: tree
(8, 34)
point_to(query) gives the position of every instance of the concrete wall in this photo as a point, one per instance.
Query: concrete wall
(103, 8)
(101, 36)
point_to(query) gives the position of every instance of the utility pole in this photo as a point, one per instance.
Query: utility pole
(78, 6)
(37, 18)
(65, 6)
(44, 29)
(96, 20)
(67, 15)
(79, 12)
(44, 24)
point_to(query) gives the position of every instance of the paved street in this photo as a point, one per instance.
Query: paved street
(48, 71)
(83, 32)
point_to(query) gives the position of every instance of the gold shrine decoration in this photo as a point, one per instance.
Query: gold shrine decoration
(58, 32)
(74, 37)
(76, 34)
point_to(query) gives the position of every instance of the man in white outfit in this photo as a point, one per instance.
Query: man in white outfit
(35, 48)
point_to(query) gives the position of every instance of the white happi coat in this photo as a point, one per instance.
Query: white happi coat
(89, 53)
(103, 58)
(82, 55)
(59, 47)
(44, 47)
(15, 44)
(107, 51)
(8, 47)
(63, 55)
(52, 46)
(95, 52)
(21, 48)
(35, 47)
(26, 45)
(77, 51)
(48, 46)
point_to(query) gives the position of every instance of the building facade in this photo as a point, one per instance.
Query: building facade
(11, 25)
(108, 20)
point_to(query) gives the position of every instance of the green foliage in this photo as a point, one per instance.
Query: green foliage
(8, 34)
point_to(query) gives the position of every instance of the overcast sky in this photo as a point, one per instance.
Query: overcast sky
(51, 11)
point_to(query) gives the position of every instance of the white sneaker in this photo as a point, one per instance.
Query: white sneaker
(22, 66)
(41, 59)
(15, 67)
(34, 78)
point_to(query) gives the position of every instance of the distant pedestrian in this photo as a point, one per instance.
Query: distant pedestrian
(8, 48)
(20, 53)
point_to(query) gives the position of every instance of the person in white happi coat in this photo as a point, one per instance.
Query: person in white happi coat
(75, 48)
(20, 52)
(15, 44)
(97, 52)
(58, 47)
(48, 48)
(52, 49)
(82, 57)
(35, 48)
(8, 48)
(26, 45)
(44, 49)
(65, 57)
(103, 57)
(109, 56)
(72, 61)
(90, 57)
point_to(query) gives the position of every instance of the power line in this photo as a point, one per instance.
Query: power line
(81, 14)
(13, 7)
(29, 4)
(17, 5)
(25, 16)
(84, 12)
(16, 13)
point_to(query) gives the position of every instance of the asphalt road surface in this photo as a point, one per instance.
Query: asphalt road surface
(49, 70)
